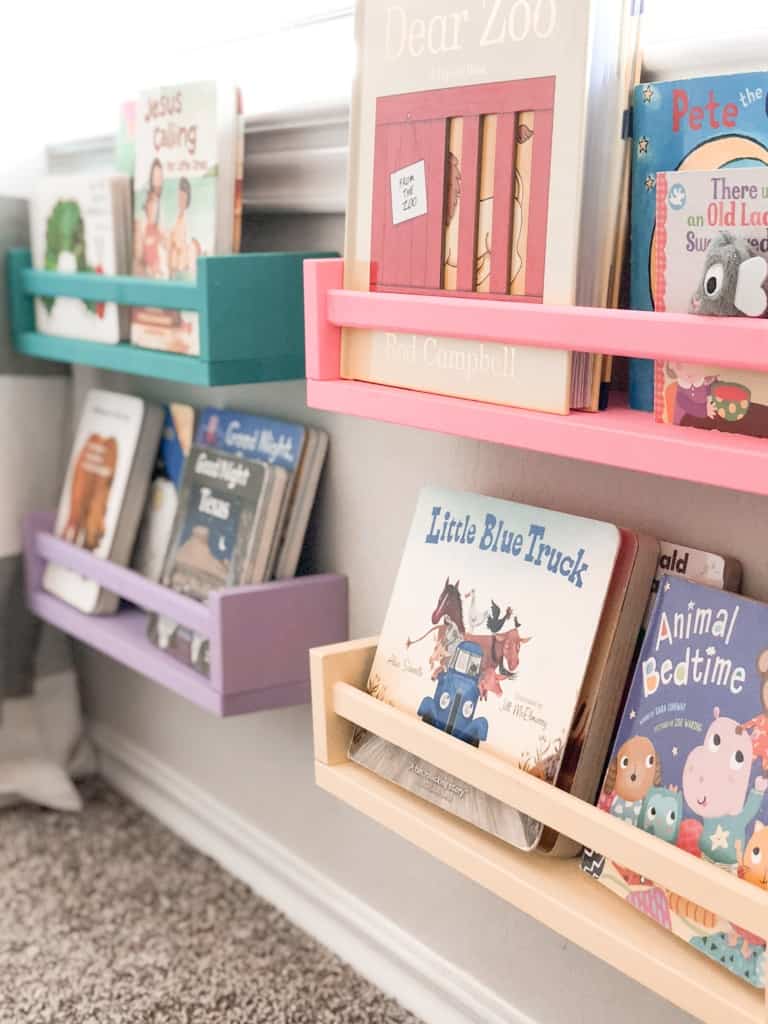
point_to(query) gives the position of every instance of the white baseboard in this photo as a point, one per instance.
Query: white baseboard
(435, 990)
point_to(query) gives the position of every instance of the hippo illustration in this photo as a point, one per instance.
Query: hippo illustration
(715, 784)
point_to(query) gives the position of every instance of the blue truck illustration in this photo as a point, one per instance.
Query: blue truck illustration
(453, 706)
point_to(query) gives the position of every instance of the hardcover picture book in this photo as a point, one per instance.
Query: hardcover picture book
(163, 501)
(711, 256)
(705, 567)
(185, 197)
(476, 144)
(694, 124)
(80, 223)
(104, 491)
(690, 761)
(488, 637)
(228, 511)
(298, 449)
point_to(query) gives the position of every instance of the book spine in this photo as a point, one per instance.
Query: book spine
(660, 254)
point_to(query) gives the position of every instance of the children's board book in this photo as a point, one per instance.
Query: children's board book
(478, 139)
(487, 637)
(157, 523)
(690, 761)
(298, 449)
(229, 509)
(104, 491)
(185, 196)
(711, 258)
(694, 124)
(81, 224)
(705, 567)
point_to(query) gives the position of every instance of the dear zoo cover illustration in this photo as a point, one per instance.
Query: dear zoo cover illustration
(487, 637)
(690, 760)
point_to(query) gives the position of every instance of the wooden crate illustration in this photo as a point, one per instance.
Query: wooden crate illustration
(461, 190)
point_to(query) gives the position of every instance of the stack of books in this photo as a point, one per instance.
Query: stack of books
(178, 197)
(216, 498)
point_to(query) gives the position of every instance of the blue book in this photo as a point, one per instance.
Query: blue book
(690, 760)
(252, 437)
(693, 124)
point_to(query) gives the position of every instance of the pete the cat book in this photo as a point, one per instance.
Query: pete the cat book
(694, 124)
(690, 761)
(487, 637)
(711, 258)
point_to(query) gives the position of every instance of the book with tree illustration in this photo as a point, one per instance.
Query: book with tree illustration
(488, 637)
(477, 139)
(690, 761)
(81, 224)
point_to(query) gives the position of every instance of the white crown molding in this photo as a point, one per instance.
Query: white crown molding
(437, 991)
(295, 161)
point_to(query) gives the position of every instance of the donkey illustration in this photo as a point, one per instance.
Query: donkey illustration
(501, 651)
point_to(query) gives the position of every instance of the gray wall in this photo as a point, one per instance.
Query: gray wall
(261, 765)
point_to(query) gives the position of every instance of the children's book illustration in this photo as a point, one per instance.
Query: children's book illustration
(181, 166)
(78, 226)
(696, 124)
(460, 172)
(688, 765)
(472, 643)
(91, 483)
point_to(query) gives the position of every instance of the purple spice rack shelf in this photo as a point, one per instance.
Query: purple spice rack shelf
(259, 635)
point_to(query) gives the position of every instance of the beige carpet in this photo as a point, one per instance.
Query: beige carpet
(108, 918)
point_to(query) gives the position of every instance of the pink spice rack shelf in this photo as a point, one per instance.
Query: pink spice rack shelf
(259, 635)
(617, 437)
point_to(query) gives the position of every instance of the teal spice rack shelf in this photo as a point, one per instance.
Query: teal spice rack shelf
(250, 308)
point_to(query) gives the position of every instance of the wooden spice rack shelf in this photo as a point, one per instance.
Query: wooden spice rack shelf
(619, 436)
(259, 635)
(249, 307)
(555, 892)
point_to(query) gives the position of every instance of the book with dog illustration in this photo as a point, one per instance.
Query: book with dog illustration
(228, 511)
(695, 124)
(477, 139)
(487, 637)
(185, 197)
(80, 223)
(104, 491)
(690, 760)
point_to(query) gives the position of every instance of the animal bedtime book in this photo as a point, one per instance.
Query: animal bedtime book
(695, 124)
(487, 637)
(690, 760)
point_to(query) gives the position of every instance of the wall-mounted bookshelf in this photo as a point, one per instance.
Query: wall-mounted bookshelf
(249, 307)
(618, 436)
(555, 892)
(259, 635)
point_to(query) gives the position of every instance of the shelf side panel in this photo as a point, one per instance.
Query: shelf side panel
(261, 634)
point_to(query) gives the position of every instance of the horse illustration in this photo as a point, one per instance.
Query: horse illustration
(501, 651)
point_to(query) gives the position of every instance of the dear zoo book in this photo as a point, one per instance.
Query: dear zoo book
(477, 137)
(487, 637)
(690, 760)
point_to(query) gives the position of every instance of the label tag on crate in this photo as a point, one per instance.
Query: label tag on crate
(409, 192)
